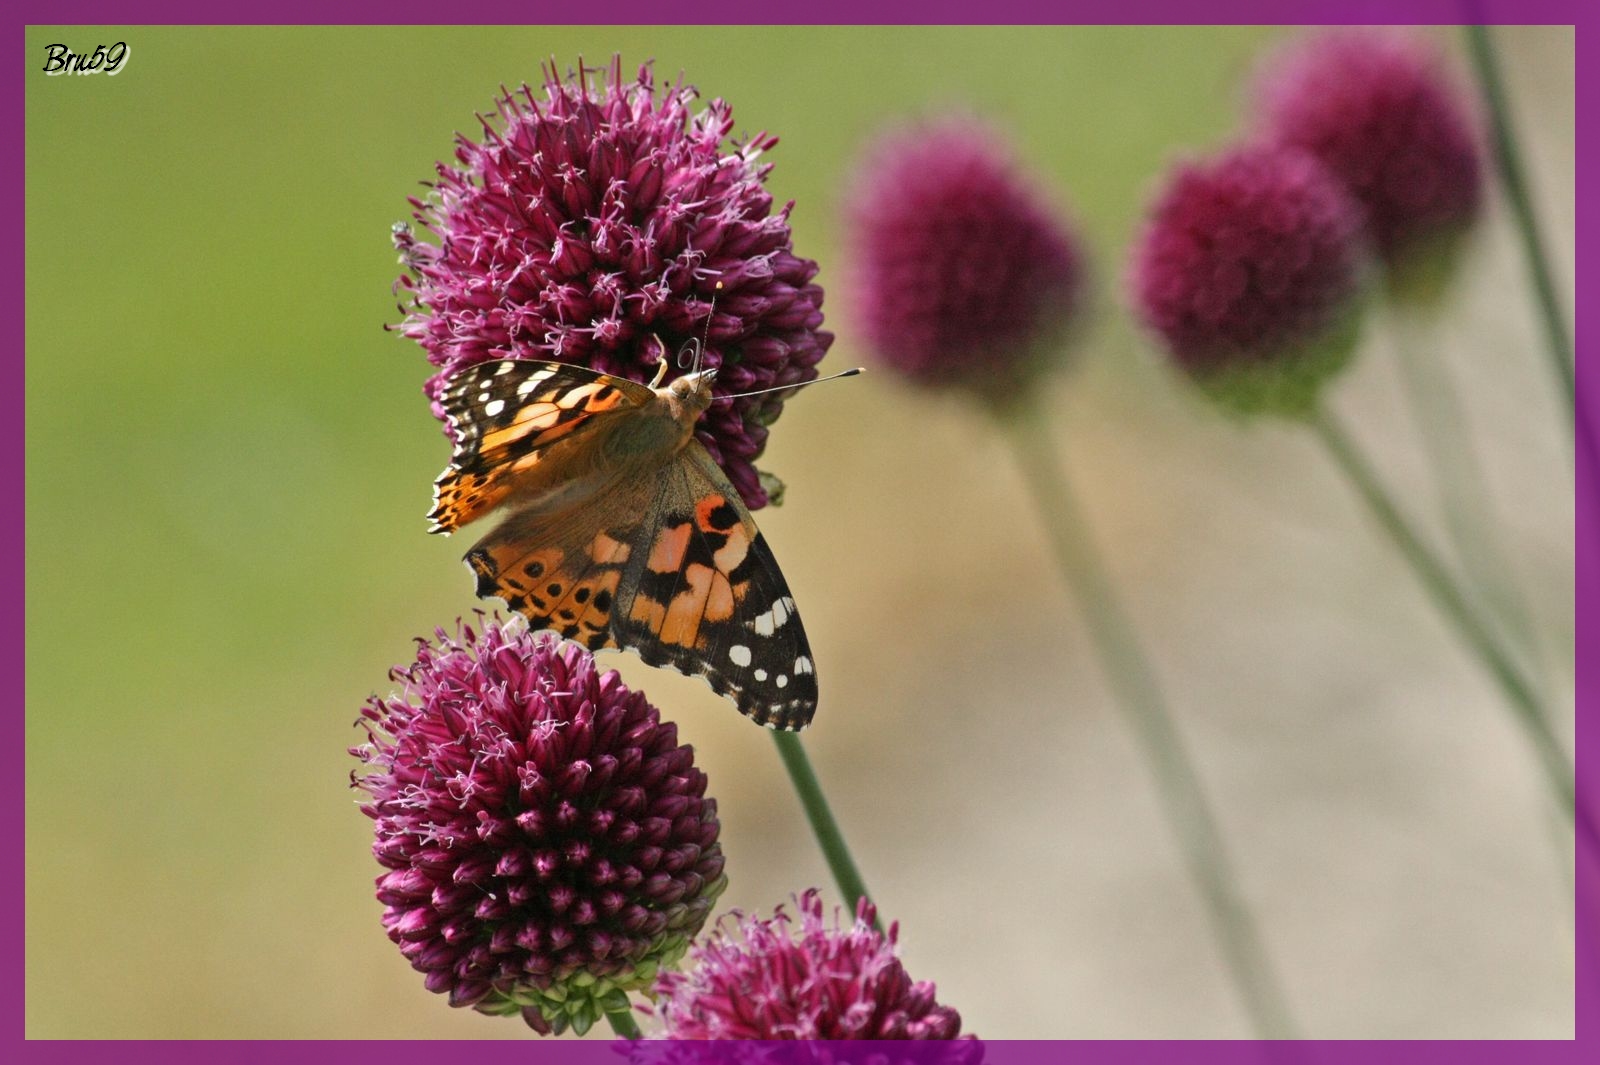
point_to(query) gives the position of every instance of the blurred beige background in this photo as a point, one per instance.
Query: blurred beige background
(228, 463)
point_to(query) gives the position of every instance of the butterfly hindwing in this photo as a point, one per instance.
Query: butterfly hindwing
(561, 572)
(701, 593)
(502, 415)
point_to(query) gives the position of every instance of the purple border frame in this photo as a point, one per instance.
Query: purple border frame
(821, 12)
(622, 12)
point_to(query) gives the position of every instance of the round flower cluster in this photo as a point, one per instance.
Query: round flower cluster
(548, 841)
(595, 227)
(964, 273)
(766, 979)
(1376, 110)
(1248, 269)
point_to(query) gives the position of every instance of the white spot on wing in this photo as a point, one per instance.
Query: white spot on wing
(770, 622)
(803, 665)
(761, 674)
(740, 654)
(492, 409)
(782, 680)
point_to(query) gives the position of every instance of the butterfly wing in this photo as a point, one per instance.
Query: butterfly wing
(561, 570)
(503, 415)
(663, 561)
(700, 592)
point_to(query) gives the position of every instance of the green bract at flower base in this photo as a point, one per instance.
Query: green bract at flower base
(581, 1001)
(1287, 384)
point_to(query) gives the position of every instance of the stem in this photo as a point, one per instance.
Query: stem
(834, 850)
(1463, 486)
(623, 1024)
(1144, 709)
(1525, 706)
(1558, 341)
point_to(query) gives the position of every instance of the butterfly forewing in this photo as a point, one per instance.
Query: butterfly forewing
(503, 415)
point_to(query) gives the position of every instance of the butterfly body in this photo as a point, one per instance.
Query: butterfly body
(620, 530)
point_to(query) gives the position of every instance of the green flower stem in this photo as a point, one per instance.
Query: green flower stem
(1558, 340)
(1138, 696)
(1525, 705)
(622, 1023)
(845, 874)
(1463, 486)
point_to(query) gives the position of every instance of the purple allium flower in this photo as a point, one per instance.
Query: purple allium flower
(965, 275)
(1377, 110)
(761, 980)
(593, 227)
(548, 840)
(1249, 268)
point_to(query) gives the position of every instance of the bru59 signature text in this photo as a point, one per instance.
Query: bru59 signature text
(59, 59)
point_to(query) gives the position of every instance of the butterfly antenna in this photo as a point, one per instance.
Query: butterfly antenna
(791, 388)
(698, 345)
(705, 336)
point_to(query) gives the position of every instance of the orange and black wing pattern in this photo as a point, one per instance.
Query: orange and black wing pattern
(701, 593)
(503, 415)
(560, 572)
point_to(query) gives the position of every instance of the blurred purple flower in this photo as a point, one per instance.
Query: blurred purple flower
(548, 840)
(1377, 110)
(1248, 269)
(965, 274)
(593, 227)
(761, 981)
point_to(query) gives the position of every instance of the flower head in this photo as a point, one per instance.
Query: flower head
(965, 275)
(1378, 112)
(548, 841)
(761, 980)
(593, 227)
(1248, 269)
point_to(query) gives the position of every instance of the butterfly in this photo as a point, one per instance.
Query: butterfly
(620, 530)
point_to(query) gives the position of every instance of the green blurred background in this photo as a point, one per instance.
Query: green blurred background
(228, 461)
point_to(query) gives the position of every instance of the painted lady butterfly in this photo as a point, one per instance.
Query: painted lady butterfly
(620, 530)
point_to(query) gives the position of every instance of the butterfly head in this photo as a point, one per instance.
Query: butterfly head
(690, 394)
